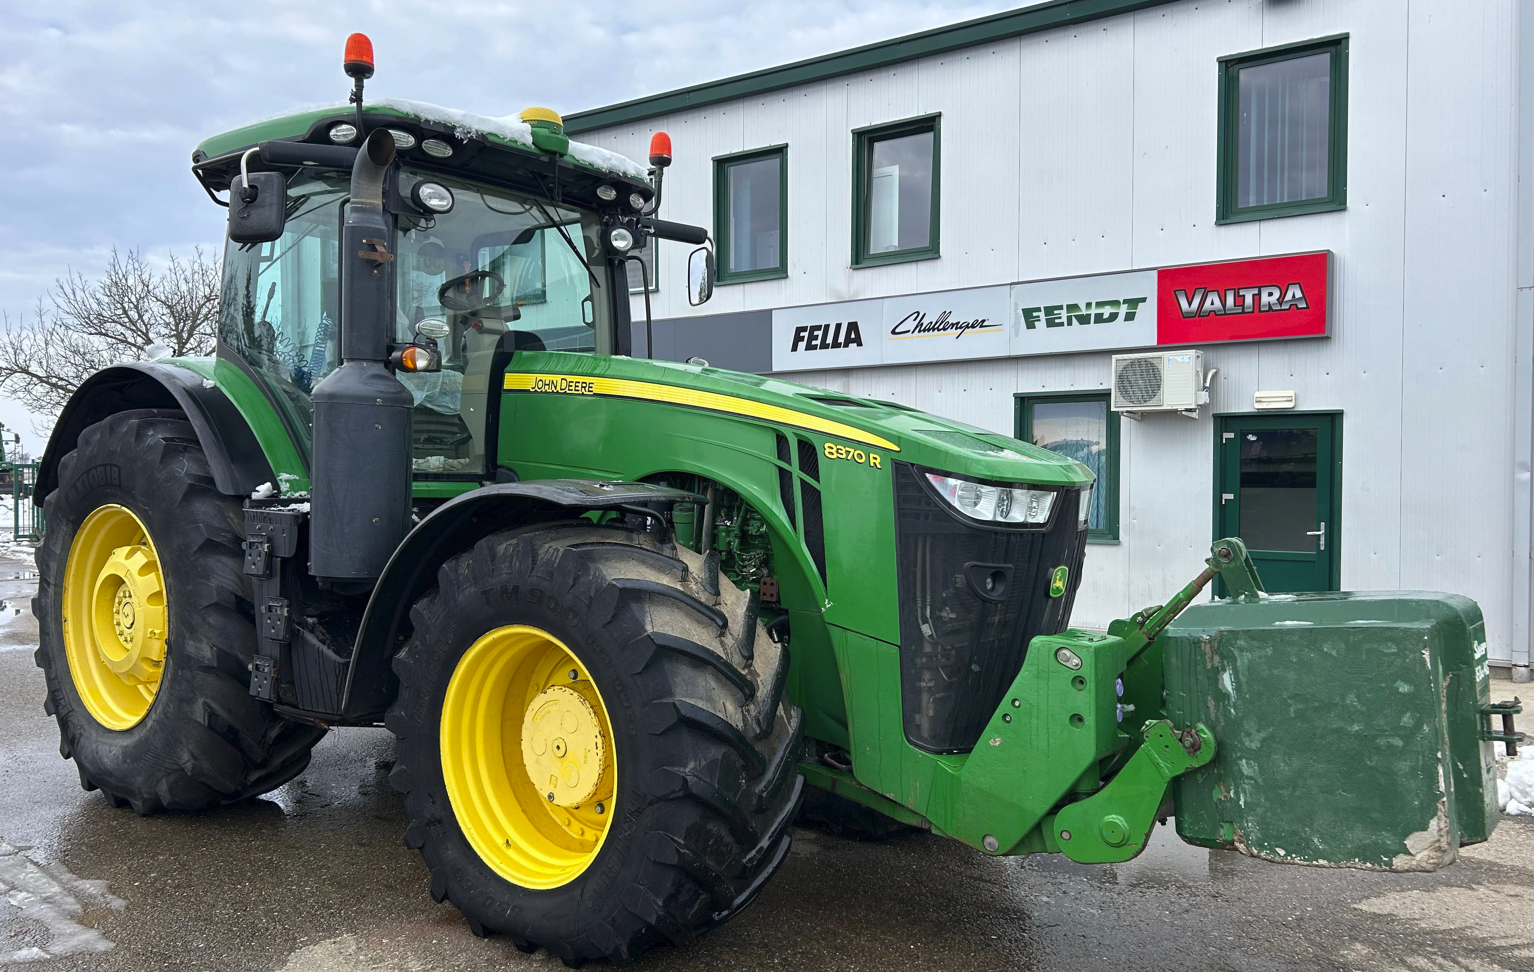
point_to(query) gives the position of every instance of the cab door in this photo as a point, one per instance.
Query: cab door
(1277, 479)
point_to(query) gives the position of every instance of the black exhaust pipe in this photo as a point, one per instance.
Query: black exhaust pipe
(360, 498)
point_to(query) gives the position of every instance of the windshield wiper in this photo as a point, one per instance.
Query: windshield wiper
(570, 243)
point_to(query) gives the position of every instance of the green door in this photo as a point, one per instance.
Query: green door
(1277, 477)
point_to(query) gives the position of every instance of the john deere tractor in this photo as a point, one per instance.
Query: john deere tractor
(624, 614)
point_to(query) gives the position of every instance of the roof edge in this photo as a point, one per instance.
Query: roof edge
(938, 40)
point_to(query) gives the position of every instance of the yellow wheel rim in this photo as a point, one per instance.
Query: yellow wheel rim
(114, 617)
(527, 757)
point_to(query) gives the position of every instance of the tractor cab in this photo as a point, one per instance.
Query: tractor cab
(494, 272)
(504, 236)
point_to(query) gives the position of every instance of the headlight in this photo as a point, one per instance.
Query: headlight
(620, 239)
(607, 193)
(343, 133)
(995, 504)
(1084, 512)
(433, 197)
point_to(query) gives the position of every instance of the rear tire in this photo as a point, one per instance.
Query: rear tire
(705, 744)
(202, 740)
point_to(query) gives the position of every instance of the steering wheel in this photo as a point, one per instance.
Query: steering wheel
(463, 292)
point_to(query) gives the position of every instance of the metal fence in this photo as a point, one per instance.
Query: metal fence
(26, 515)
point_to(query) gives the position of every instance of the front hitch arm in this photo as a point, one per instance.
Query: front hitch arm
(1113, 824)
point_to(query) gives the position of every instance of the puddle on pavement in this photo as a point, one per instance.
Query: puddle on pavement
(10, 610)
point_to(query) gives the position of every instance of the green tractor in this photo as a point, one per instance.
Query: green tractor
(628, 618)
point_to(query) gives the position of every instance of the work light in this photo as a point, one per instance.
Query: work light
(636, 200)
(402, 140)
(620, 238)
(607, 193)
(1084, 512)
(995, 504)
(343, 133)
(433, 197)
(436, 148)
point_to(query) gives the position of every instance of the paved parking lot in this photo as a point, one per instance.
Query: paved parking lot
(314, 877)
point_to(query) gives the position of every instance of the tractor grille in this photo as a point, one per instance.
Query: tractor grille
(959, 649)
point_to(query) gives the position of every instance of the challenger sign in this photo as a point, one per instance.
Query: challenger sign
(1266, 299)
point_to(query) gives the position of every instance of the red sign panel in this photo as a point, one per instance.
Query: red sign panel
(1244, 300)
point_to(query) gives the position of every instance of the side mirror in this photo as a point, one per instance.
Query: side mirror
(700, 276)
(258, 204)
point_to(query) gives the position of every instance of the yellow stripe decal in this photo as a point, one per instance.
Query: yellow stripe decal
(691, 397)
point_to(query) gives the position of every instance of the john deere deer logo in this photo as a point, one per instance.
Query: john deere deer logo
(1057, 581)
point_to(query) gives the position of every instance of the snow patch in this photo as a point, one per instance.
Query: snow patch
(209, 383)
(1519, 784)
(264, 491)
(48, 894)
(1291, 624)
(607, 161)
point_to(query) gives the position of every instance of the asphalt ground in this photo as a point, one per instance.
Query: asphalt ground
(314, 877)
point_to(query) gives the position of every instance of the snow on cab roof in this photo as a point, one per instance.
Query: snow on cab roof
(466, 125)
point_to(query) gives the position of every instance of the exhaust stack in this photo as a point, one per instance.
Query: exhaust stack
(360, 508)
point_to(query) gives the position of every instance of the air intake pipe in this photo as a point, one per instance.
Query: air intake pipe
(360, 508)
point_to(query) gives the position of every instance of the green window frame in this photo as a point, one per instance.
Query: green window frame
(1107, 531)
(863, 142)
(722, 240)
(1227, 196)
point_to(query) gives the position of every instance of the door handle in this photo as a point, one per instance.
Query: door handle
(1319, 533)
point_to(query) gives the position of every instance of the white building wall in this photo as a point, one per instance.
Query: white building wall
(1091, 149)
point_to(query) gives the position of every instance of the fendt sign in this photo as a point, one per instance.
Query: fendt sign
(1267, 299)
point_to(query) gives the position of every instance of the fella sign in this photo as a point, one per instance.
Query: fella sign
(1266, 299)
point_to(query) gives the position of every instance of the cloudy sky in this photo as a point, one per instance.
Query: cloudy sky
(102, 103)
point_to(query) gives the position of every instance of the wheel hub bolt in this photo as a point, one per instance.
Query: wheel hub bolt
(601, 809)
(574, 675)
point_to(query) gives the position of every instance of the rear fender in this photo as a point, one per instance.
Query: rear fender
(453, 527)
(234, 455)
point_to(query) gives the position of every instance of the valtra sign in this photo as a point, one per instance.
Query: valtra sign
(1243, 300)
(1266, 299)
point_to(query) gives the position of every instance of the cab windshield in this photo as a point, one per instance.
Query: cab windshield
(501, 272)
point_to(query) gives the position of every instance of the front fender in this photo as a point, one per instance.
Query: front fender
(234, 455)
(456, 526)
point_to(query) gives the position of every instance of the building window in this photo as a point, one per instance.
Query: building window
(895, 192)
(1082, 426)
(646, 257)
(751, 215)
(1284, 131)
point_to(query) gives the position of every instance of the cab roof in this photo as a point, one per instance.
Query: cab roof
(480, 144)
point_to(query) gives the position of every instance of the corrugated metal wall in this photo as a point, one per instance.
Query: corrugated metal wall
(1092, 149)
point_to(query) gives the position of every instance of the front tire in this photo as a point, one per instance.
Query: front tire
(146, 635)
(669, 804)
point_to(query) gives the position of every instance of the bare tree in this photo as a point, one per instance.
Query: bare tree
(83, 325)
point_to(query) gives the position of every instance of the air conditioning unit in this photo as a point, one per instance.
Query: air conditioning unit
(1159, 381)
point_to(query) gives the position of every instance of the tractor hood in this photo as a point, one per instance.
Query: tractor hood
(900, 432)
